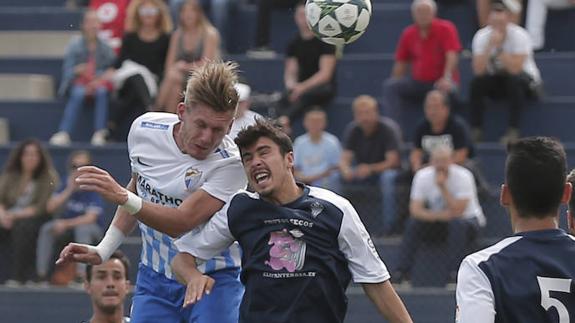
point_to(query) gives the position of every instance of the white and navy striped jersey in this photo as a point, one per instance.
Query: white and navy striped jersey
(525, 278)
(167, 176)
(297, 258)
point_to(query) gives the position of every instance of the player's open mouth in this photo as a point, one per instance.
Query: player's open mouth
(261, 177)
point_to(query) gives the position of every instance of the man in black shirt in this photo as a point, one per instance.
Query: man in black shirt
(371, 156)
(309, 75)
(440, 128)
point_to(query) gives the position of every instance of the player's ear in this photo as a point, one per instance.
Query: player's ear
(289, 159)
(505, 196)
(567, 190)
(180, 109)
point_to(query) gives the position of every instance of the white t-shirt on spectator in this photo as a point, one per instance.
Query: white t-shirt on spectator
(517, 41)
(460, 183)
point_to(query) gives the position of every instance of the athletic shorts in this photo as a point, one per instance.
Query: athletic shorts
(158, 299)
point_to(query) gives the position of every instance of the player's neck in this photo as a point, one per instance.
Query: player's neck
(101, 317)
(286, 194)
(534, 224)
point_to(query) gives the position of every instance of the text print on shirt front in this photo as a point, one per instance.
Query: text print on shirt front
(548, 285)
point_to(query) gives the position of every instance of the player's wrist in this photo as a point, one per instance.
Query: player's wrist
(111, 241)
(133, 204)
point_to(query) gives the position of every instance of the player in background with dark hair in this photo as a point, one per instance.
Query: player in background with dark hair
(571, 209)
(527, 277)
(108, 284)
(301, 244)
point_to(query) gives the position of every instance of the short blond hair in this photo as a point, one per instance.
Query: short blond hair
(212, 84)
(133, 22)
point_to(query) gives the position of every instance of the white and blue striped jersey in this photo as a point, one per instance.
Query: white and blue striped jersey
(167, 176)
(527, 278)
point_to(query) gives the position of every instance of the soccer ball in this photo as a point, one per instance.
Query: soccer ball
(338, 22)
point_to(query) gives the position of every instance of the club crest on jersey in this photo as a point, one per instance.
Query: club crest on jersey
(316, 208)
(192, 177)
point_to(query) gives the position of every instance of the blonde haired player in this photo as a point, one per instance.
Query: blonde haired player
(184, 168)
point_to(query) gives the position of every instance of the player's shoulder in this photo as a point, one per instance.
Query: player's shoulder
(239, 200)
(228, 148)
(154, 121)
(475, 259)
(329, 196)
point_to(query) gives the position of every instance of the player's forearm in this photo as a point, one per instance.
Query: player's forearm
(184, 266)
(387, 302)
(171, 221)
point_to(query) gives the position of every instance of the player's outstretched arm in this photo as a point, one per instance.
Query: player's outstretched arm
(122, 224)
(197, 284)
(196, 208)
(387, 301)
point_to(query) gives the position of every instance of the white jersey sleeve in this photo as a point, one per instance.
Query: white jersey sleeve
(211, 240)
(475, 300)
(354, 241)
(226, 180)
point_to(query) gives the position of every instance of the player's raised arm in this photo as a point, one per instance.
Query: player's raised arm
(194, 210)
(121, 226)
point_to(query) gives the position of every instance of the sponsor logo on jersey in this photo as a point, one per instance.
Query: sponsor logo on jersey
(153, 125)
(316, 208)
(150, 193)
(287, 251)
(192, 177)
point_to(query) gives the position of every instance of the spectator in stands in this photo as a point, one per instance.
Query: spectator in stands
(430, 49)
(440, 128)
(571, 205)
(317, 153)
(536, 18)
(484, 7)
(263, 22)
(371, 156)
(220, 12)
(503, 67)
(193, 43)
(244, 116)
(78, 212)
(86, 73)
(140, 66)
(26, 184)
(309, 75)
(108, 284)
(444, 208)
